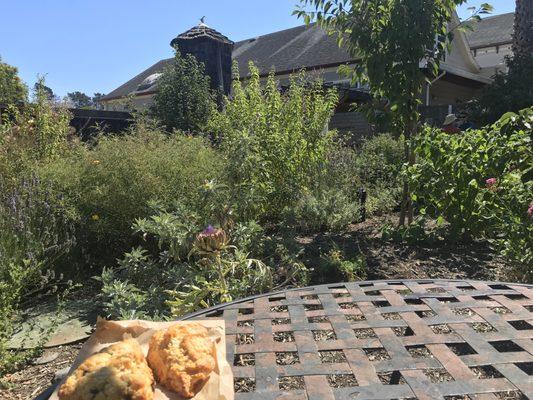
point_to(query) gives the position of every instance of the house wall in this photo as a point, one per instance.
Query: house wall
(459, 56)
(444, 93)
(353, 123)
(135, 103)
(493, 57)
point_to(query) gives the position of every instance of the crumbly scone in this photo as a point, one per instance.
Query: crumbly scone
(182, 358)
(117, 372)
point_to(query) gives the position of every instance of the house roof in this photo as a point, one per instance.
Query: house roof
(132, 86)
(308, 47)
(290, 50)
(201, 31)
(285, 51)
(490, 31)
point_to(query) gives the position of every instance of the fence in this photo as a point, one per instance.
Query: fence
(88, 122)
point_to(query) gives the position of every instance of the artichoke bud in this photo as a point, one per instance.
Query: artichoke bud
(211, 239)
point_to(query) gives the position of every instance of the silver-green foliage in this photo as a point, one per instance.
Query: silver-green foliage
(378, 165)
(33, 235)
(177, 278)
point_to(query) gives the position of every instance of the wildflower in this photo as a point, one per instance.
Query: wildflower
(209, 185)
(95, 217)
(96, 162)
(530, 210)
(491, 183)
(210, 230)
(211, 239)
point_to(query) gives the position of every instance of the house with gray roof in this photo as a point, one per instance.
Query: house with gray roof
(490, 41)
(311, 49)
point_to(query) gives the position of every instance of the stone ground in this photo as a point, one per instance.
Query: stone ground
(385, 260)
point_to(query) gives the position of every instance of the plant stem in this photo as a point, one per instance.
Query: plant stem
(220, 272)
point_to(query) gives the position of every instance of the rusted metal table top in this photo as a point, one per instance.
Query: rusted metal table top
(401, 339)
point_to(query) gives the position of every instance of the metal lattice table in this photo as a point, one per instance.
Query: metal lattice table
(425, 339)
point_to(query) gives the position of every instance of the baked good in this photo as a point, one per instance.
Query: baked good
(117, 372)
(182, 357)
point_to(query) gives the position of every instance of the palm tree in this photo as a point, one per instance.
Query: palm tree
(523, 28)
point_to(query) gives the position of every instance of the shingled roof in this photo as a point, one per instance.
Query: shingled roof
(201, 31)
(285, 51)
(490, 31)
(308, 47)
(290, 50)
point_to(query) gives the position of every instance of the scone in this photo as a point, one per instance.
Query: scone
(182, 358)
(117, 372)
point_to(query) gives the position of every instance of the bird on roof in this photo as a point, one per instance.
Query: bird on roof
(202, 23)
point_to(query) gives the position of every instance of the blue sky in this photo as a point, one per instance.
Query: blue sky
(96, 45)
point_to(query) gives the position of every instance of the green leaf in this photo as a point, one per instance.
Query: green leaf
(473, 183)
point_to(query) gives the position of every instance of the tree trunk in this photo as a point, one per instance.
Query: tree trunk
(523, 28)
(405, 191)
(410, 210)
(406, 210)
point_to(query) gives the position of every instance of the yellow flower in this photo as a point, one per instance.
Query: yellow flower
(96, 162)
(209, 185)
(95, 217)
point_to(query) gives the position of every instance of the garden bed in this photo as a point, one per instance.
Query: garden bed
(440, 259)
(384, 260)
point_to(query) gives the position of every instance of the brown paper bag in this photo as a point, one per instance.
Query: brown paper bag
(220, 384)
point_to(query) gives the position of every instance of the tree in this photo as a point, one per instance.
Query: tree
(391, 38)
(96, 100)
(44, 90)
(12, 89)
(80, 100)
(275, 143)
(184, 99)
(523, 28)
(511, 91)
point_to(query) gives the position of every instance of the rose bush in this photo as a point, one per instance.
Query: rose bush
(481, 182)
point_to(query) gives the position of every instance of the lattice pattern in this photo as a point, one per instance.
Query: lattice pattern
(383, 340)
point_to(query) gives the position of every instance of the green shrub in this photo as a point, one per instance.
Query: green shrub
(509, 207)
(30, 135)
(481, 183)
(188, 269)
(326, 209)
(378, 165)
(510, 91)
(334, 267)
(110, 184)
(275, 144)
(413, 234)
(12, 89)
(33, 236)
(183, 100)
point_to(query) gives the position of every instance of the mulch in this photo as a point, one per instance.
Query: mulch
(440, 259)
(35, 378)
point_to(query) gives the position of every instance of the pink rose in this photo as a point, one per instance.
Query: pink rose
(530, 210)
(491, 182)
